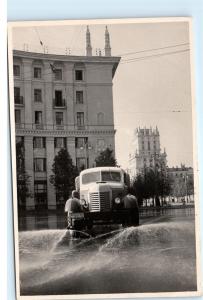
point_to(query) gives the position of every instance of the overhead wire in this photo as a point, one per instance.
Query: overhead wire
(127, 61)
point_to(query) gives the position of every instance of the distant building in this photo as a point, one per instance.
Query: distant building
(182, 182)
(62, 101)
(146, 152)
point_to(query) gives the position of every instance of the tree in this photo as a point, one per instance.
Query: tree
(138, 188)
(152, 184)
(64, 173)
(22, 177)
(106, 159)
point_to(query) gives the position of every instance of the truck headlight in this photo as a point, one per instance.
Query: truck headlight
(117, 200)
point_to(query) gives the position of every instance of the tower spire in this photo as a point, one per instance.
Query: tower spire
(107, 43)
(88, 43)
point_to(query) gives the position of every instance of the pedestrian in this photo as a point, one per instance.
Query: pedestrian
(130, 203)
(73, 206)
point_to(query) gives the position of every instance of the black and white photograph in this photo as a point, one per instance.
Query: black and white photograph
(104, 162)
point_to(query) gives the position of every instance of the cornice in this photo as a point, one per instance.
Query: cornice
(64, 133)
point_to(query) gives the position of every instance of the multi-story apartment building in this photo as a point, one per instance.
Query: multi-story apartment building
(182, 181)
(62, 101)
(146, 152)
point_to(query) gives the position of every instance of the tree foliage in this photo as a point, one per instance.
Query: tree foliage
(152, 184)
(182, 186)
(22, 176)
(105, 159)
(64, 173)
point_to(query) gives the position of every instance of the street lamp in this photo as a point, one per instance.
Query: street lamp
(186, 187)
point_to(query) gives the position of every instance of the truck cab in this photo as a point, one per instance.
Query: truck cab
(101, 192)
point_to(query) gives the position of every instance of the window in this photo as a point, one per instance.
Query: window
(80, 142)
(111, 176)
(39, 142)
(148, 145)
(142, 145)
(39, 164)
(100, 118)
(40, 191)
(58, 74)
(37, 95)
(81, 163)
(79, 97)
(91, 177)
(16, 70)
(59, 101)
(60, 142)
(79, 75)
(38, 117)
(80, 118)
(37, 72)
(19, 139)
(17, 116)
(59, 118)
(18, 99)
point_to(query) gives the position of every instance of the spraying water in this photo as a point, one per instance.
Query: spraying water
(156, 257)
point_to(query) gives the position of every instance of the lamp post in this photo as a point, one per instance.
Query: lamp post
(186, 187)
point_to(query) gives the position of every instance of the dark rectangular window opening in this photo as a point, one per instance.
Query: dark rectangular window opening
(59, 101)
(37, 95)
(16, 70)
(17, 116)
(80, 118)
(59, 118)
(39, 142)
(40, 193)
(79, 75)
(40, 164)
(79, 97)
(37, 72)
(60, 142)
(81, 142)
(58, 74)
(38, 117)
(18, 99)
(81, 163)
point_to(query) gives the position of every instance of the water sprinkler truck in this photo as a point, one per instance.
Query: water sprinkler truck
(101, 191)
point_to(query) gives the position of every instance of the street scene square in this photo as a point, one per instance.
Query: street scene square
(103, 156)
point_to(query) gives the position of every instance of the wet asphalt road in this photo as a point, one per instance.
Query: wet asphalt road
(158, 256)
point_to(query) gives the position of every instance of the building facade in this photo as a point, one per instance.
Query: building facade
(62, 101)
(146, 152)
(182, 182)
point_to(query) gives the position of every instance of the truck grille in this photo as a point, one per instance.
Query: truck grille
(100, 201)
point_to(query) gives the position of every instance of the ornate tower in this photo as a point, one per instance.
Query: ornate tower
(88, 43)
(107, 43)
(146, 152)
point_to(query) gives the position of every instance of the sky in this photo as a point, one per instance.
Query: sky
(152, 84)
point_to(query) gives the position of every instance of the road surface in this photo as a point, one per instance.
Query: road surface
(158, 256)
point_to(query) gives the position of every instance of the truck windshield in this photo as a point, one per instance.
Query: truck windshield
(91, 177)
(111, 176)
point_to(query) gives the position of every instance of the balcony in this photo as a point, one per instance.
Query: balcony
(18, 100)
(39, 126)
(59, 103)
(80, 127)
(59, 127)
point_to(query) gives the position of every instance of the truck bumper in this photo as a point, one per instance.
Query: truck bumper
(126, 217)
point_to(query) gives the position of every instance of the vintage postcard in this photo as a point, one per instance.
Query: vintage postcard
(105, 183)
